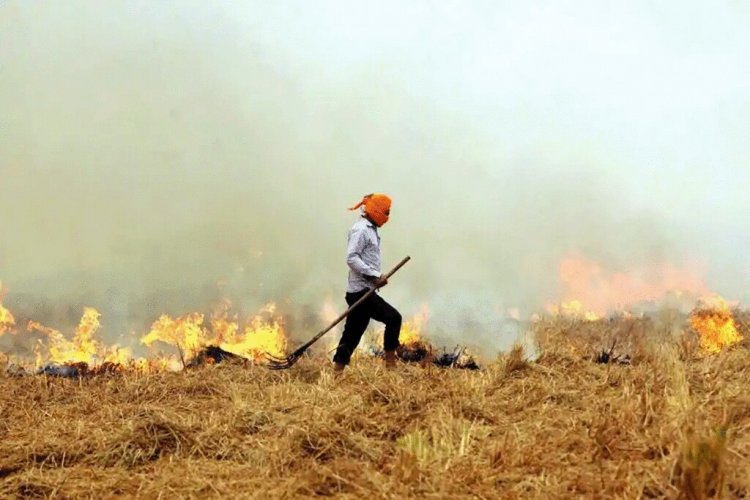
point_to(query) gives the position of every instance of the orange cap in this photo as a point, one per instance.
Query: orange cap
(377, 207)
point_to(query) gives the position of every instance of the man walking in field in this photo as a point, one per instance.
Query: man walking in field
(363, 258)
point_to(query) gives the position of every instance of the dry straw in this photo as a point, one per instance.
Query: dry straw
(671, 424)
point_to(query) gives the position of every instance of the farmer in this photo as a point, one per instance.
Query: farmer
(363, 258)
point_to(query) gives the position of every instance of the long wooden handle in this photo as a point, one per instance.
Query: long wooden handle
(351, 308)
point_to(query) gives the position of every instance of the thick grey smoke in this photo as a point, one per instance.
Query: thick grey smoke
(158, 156)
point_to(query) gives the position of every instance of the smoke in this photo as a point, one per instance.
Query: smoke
(157, 157)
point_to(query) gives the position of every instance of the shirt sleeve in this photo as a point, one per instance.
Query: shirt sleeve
(357, 242)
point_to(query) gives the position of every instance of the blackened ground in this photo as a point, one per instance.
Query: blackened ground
(213, 355)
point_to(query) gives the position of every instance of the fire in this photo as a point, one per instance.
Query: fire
(222, 325)
(411, 330)
(715, 324)
(574, 309)
(410, 336)
(7, 321)
(82, 348)
(592, 292)
(263, 333)
(85, 347)
(117, 355)
(185, 332)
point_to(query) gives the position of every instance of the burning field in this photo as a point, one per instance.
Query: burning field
(184, 183)
(620, 406)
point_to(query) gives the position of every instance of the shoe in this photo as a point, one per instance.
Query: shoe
(390, 359)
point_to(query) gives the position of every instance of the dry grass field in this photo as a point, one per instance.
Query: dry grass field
(673, 423)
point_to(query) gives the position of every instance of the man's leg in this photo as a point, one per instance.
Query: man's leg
(354, 328)
(382, 311)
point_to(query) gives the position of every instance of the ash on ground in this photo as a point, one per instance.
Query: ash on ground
(212, 354)
(422, 352)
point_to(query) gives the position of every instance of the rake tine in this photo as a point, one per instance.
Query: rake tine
(274, 359)
(279, 366)
(275, 363)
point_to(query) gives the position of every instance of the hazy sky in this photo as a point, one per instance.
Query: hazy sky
(149, 150)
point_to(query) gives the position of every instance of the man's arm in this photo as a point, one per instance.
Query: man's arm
(357, 242)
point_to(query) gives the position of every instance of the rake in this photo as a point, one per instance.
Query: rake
(276, 363)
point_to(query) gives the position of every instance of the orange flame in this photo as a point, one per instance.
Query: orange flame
(263, 333)
(82, 348)
(222, 326)
(7, 321)
(573, 309)
(411, 330)
(592, 292)
(185, 332)
(715, 324)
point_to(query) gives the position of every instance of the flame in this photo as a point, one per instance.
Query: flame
(7, 321)
(82, 348)
(223, 325)
(34, 326)
(410, 335)
(263, 333)
(411, 330)
(85, 347)
(574, 309)
(592, 292)
(185, 332)
(714, 322)
(117, 355)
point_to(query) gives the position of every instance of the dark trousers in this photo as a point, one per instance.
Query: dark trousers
(356, 323)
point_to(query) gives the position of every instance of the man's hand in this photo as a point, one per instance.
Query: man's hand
(378, 282)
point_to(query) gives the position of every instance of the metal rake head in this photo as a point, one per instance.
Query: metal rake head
(275, 363)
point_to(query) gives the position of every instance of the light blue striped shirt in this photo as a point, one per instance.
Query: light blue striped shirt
(362, 255)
